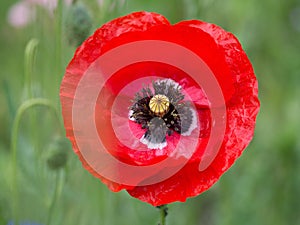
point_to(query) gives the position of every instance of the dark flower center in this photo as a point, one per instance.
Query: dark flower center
(161, 111)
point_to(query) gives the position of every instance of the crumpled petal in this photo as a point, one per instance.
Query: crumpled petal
(242, 109)
(85, 55)
(225, 57)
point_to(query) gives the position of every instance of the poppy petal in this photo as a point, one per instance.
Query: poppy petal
(241, 115)
(219, 50)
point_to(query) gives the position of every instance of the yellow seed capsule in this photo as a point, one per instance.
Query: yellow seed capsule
(159, 104)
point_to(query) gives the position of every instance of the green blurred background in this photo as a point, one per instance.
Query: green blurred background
(262, 188)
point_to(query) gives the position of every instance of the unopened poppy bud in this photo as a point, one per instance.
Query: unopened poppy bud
(78, 24)
(57, 153)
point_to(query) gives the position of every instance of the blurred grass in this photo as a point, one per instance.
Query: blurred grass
(262, 188)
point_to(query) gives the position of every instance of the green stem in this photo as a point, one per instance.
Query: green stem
(29, 62)
(58, 63)
(58, 36)
(14, 139)
(29, 59)
(55, 197)
(163, 214)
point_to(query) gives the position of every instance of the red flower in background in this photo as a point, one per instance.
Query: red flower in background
(157, 109)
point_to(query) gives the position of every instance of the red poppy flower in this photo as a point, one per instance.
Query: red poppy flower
(159, 110)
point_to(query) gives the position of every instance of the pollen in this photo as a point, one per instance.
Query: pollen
(159, 104)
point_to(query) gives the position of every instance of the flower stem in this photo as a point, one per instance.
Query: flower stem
(29, 62)
(55, 197)
(30, 55)
(163, 214)
(14, 139)
(58, 40)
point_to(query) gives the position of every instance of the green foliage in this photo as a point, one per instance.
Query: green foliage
(262, 188)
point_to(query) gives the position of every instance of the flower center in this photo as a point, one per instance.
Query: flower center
(159, 105)
(161, 111)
